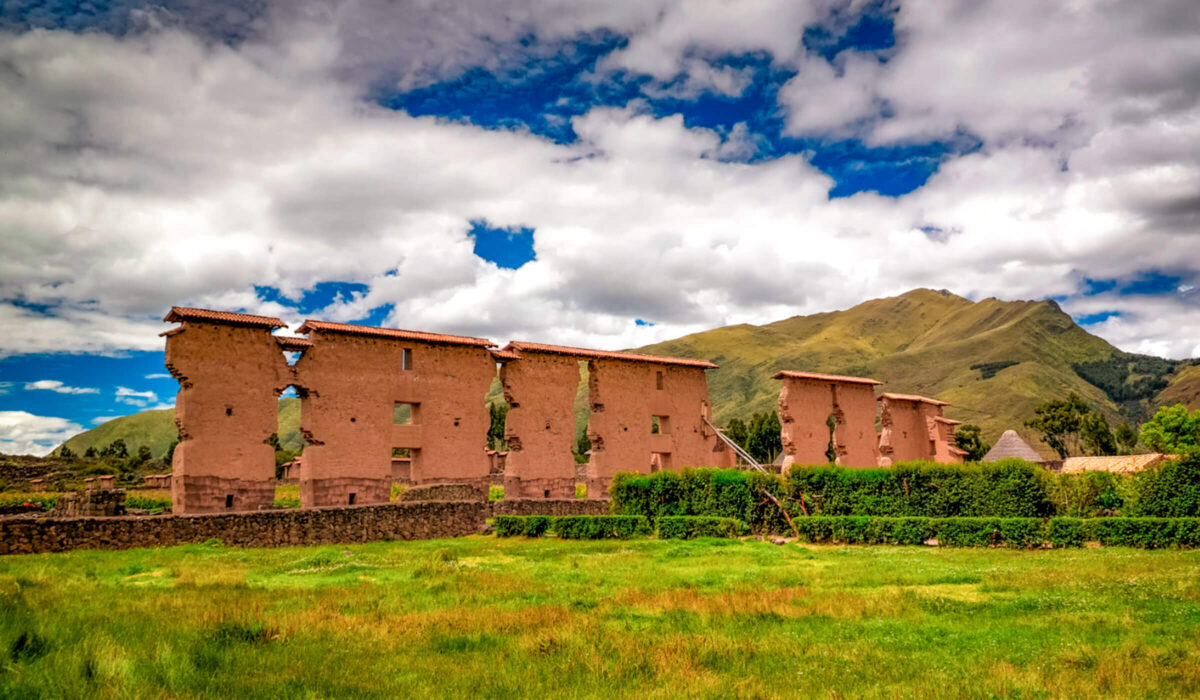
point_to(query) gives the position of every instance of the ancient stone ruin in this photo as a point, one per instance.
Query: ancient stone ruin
(381, 405)
(375, 401)
(828, 415)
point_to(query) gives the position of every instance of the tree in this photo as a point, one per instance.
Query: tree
(764, 439)
(66, 453)
(90, 453)
(1126, 437)
(1172, 430)
(969, 438)
(736, 431)
(170, 453)
(116, 448)
(143, 455)
(495, 435)
(1059, 423)
(1096, 436)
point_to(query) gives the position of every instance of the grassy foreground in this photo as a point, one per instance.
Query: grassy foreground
(480, 616)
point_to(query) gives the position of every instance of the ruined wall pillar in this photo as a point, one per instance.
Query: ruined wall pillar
(807, 402)
(231, 370)
(540, 427)
(912, 430)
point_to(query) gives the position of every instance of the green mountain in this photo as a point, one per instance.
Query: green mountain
(993, 360)
(156, 430)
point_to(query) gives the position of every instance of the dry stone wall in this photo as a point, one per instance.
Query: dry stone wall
(397, 521)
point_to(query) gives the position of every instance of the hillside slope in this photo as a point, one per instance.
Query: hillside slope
(156, 430)
(923, 342)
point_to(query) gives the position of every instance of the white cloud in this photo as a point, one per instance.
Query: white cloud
(58, 387)
(24, 433)
(135, 398)
(159, 375)
(5, 387)
(159, 168)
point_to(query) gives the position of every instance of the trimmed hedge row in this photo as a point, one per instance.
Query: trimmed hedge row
(573, 527)
(686, 527)
(1147, 533)
(1006, 489)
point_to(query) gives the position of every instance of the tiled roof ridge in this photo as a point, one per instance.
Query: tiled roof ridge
(179, 314)
(912, 397)
(821, 376)
(523, 346)
(311, 325)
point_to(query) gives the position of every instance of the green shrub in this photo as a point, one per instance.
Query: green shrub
(1170, 490)
(1146, 533)
(600, 527)
(1009, 488)
(147, 502)
(528, 525)
(686, 527)
(722, 493)
(1086, 494)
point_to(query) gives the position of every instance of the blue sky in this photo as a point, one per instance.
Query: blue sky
(576, 172)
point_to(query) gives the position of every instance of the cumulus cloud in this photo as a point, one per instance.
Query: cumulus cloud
(24, 433)
(162, 167)
(58, 387)
(135, 398)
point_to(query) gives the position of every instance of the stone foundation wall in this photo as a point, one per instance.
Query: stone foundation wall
(96, 503)
(281, 528)
(543, 506)
(445, 492)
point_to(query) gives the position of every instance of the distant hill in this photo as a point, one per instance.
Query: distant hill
(156, 430)
(993, 360)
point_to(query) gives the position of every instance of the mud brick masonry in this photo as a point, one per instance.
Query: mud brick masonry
(373, 395)
(373, 399)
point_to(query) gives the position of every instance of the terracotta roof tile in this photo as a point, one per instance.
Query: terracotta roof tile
(912, 397)
(820, 377)
(179, 314)
(504, 355)
(288, 342)
(392, 333)
(947, 421)
(521, 346)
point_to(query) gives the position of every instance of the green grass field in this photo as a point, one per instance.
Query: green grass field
(480, 616)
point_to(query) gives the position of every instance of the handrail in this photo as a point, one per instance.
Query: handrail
(737, 449)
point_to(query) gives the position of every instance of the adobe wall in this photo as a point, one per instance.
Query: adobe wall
(906, 431)
(945, 448)
(540, 427)
(804, 409)
(624, 396)
(353, 384)
(279, 528)
(230, 378)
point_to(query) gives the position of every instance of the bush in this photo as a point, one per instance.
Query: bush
(1086, 494)
(721, 493)
(147, 502)
(528, 525)
(1171, 490)
(1148, 533)
(600, 527)
(686, 527)
(1010, 488)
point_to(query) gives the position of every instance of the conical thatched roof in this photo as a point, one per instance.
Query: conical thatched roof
(1011, 445)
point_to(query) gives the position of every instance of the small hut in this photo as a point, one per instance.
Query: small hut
(1010, 445)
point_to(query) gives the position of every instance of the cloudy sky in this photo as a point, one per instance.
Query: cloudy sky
(581, 172)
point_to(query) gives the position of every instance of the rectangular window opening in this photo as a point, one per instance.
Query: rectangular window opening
(658, 380)
(660, 425)
(405, 413)
(228, 501)
(406, 359)
(352, 498)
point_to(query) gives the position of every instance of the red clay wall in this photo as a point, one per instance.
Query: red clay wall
(906, 433)
(540, 427)
(230, 378)
(624, 397)
(804, 407)
(353, 383)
